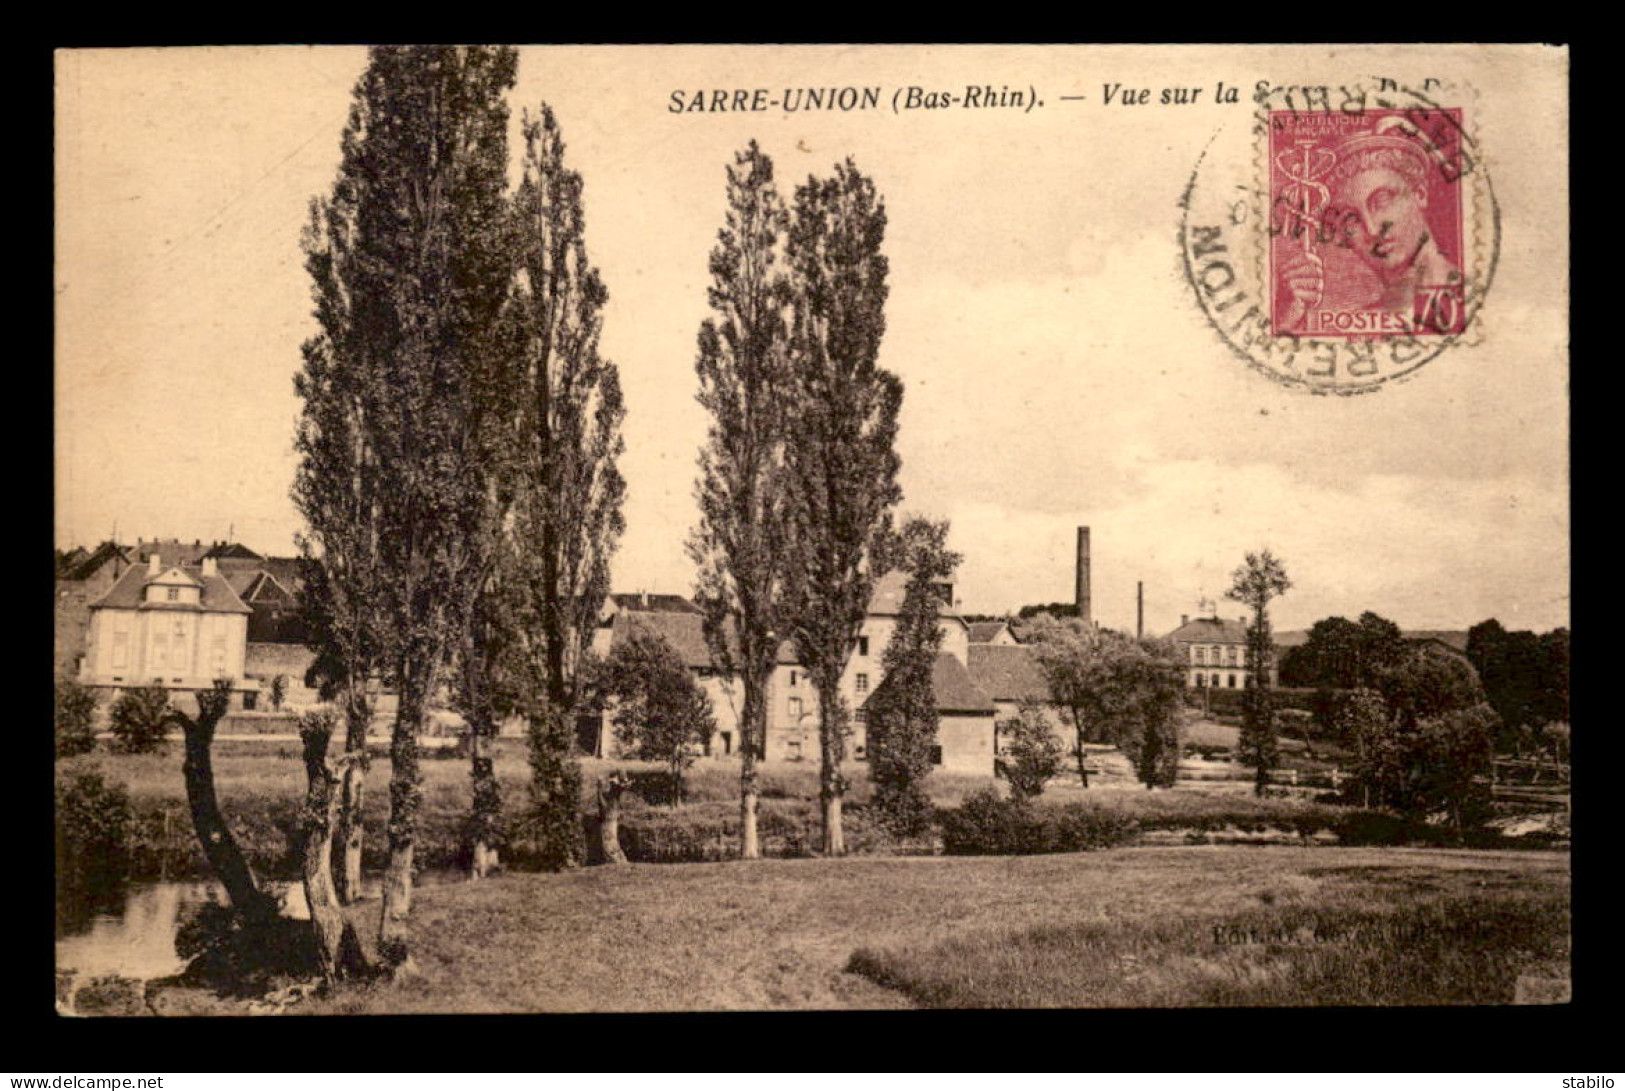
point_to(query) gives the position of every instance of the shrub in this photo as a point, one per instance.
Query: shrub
(75, 718)
(93, 833)
(1034, 752)
(139, 719)
(988, 825)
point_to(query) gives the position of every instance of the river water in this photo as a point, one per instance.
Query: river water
(136, 936)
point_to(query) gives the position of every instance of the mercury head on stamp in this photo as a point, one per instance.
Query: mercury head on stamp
(1367, 226)
(1339, 248)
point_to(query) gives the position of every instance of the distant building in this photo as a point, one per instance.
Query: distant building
(965, 718)
(1010, 675)
(1214, 651)
(992, 632)
(266, 587)
(178, 626)
(82, 577)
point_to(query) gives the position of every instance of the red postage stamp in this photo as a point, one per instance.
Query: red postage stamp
(1366, 224)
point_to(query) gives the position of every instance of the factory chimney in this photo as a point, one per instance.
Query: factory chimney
(1081, 596)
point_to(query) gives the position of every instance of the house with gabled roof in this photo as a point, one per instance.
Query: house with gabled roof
(965, 718)
(82, 577)
(179, 626)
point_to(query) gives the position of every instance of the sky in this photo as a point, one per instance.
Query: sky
(1057, 369)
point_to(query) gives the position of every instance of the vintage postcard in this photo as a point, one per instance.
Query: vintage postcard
(811, 527)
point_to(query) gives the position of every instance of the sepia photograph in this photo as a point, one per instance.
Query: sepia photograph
(810, 527)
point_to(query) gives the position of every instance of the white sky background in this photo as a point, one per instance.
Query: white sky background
(1058, 371)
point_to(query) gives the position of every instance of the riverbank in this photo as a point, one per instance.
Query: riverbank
(261, 789)
(1151, 927)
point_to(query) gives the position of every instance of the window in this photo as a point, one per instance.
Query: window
(250, 699)
(1230, 656)
(859, 753)
(863, 645)
(173, 594)
(1232, 681)
(792, 749)
(180, 647)
(727, 742)
(795, 708)
(1215, 681)
(792, 678)
(217, 655)
(121, 650)
(936, 755)
(862, 684)
(1201, 655)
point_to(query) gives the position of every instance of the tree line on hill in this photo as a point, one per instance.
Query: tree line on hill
(1523, 677)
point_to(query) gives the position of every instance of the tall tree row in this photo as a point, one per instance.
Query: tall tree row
(460, 430)
(566, 519)
(741, 543)
(842, 456)
(799, 473)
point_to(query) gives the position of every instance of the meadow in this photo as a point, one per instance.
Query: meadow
(1125, 927)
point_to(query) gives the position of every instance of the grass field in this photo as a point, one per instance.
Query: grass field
(1129, 927)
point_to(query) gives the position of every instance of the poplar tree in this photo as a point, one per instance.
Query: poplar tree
(740, 545)
(903, 710)
(841, 460)
(416, 233)
(1255, 584)
(567, 492)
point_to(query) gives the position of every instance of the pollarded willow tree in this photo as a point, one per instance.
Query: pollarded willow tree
(741, 543)
(420, 271)
(841, 455)
(567, 490)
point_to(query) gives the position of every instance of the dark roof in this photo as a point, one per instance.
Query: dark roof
(657, 604)
(1008, 672)
(683, 631)
(172, 551)
(87, 563)
(1455, 639)
(951, 685)
(1211, 630)
(126, 594)
(983, 631)
(234, 551)
(288, 571)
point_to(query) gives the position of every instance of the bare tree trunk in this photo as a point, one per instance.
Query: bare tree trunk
(1083, 760)
(219, 847)
(754, 740)
(487, 802)
(482, 729)
(405, 795)
(350, 832)
(321, 812)
(832, 748)
(610, 790)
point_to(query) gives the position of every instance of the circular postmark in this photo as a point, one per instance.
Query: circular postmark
(1344, 237)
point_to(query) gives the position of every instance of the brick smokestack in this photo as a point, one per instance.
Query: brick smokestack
(1081, 594)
